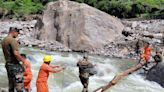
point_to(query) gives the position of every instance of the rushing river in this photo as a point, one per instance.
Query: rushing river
(68, 81)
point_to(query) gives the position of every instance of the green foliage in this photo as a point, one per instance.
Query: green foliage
(126, 8)
(119, 8)
(21, 7)
(103, 5)
(8, 5)
(92, 2)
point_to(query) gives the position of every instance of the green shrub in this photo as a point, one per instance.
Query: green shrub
(126, 8)
(119, 8)
(22, 7)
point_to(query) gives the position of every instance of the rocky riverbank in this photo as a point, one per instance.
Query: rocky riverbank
(123, 47)
(135, 33)
(71, 26)
(27, 36)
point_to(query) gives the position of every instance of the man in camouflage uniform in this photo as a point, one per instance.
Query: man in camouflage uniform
(84, 72)
(13, 58)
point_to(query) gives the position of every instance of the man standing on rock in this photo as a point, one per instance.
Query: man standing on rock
(158, 57)
(84, 72)
(13, 58)
(145, 55)
(146, 52)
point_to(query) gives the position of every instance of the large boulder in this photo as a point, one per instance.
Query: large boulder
(79, 26)
(156, 74)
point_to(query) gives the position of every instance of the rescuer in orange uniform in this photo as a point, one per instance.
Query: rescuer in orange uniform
(146, 52)
(27, 74)
(43, 74)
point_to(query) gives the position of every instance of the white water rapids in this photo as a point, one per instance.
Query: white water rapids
(68, 81)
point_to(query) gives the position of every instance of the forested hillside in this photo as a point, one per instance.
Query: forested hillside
(129, 8)
(119, 8)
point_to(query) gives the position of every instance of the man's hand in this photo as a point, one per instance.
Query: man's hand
(18, 56)
(95, 65)
(57, 66)
(63, 67)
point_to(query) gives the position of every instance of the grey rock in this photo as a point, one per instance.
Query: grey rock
(156, 74)
(134, 24)
(79, 26)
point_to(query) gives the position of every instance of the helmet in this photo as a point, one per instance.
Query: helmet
(47, 58)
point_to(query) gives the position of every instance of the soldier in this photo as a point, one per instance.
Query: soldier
(85, 72)
(13, 59)
(158, 57)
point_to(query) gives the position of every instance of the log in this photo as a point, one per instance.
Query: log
(120, 76)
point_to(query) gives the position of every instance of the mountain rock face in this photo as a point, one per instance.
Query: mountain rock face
(78, 26)
(156, 74)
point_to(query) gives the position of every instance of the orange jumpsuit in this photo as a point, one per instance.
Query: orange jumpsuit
(41, 82)
(27, 74)
(146, 53)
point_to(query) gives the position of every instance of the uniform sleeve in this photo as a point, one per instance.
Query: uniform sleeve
(50, 69)
(28, 76)
(14, 44)
(27, 71)
(53, 66)
(90, 65)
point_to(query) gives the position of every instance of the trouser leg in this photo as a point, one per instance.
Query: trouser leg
(85, 87)
(11, 84)
(85, 82)
(19, 86)
(10, 80)
(15, 77)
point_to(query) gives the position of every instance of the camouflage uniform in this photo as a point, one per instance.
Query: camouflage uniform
(158, 58)
(84, 74)
(13, 67)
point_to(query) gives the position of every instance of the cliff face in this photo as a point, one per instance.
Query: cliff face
(79, 26)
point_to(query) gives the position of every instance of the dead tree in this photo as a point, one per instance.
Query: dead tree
(120, 76)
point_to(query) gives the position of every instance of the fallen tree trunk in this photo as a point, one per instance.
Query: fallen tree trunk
(119, 76)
